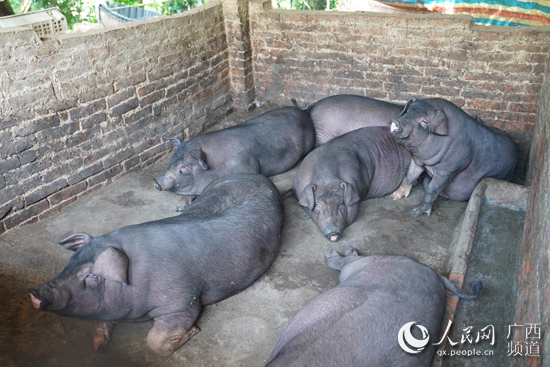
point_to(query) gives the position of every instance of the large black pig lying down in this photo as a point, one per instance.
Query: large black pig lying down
(269, 144)
(336, 115)
(357, 322)
(456, 151)
(211, 251)
(333, 179)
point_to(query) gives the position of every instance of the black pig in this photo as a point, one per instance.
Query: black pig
(167, 269)
(456, 151)
(333, 179)
(358, 322)
(336, 115)
(269, 144)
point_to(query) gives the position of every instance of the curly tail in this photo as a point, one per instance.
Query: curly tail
(476, 288)
(305, 107)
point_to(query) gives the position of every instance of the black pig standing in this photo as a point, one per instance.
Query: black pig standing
(167, 269)
(456, 151)
(358, 322)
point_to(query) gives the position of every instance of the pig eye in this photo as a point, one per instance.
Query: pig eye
(316, 208)
(92, 280)
(342, 207)
(185, 169)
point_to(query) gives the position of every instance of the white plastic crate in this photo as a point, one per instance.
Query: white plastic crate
(44, 22)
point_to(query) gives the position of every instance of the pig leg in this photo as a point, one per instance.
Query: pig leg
(432, 189)
(337, 262)
(348, 251)
(165, 342)
(184, 202)
(413, 172)
(169, 332)
(101, 334)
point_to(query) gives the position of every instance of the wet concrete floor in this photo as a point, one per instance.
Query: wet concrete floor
(239, 331)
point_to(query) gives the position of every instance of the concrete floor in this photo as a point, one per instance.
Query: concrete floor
(239, 331)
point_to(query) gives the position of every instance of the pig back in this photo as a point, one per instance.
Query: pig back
(269, 144)
(283, 137)
(383, 163)
(336, 115)
(232, 234)
(357, 322)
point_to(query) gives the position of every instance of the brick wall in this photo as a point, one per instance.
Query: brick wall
(77, 110)
(534, 291)
(237, 29)
(494, 72)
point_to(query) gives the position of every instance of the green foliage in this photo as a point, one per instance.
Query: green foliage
(306, 4)
(175, 6)
(78, 11)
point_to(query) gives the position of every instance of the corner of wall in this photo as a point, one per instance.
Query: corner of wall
(534, 278)
(237, 29)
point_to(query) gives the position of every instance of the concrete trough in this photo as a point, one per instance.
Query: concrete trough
(487, 246)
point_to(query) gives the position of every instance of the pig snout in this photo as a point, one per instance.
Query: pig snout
(50, 298)
(36, 301)
(163, 183)
(332, 232)
(333, 236)
(157, 184)
(395, 126)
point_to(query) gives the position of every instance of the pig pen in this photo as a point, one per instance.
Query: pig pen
(243, 329)
(78, 111)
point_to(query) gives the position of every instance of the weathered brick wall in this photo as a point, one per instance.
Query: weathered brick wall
(237, 28)
(534, 294)
(79, 109)
(494, 72)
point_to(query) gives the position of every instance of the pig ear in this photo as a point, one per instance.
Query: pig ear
(307, 198)
(411, 100)
(438, 125)
(201, 157)
(350, 194)
(75, 241)
(175, 141)
(112, 264)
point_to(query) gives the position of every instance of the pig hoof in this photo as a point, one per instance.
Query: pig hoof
(331, 253)
(348, 251)
(101, 334)
(402, 192)
(165, 344)
(183, 203)
(421, 209)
